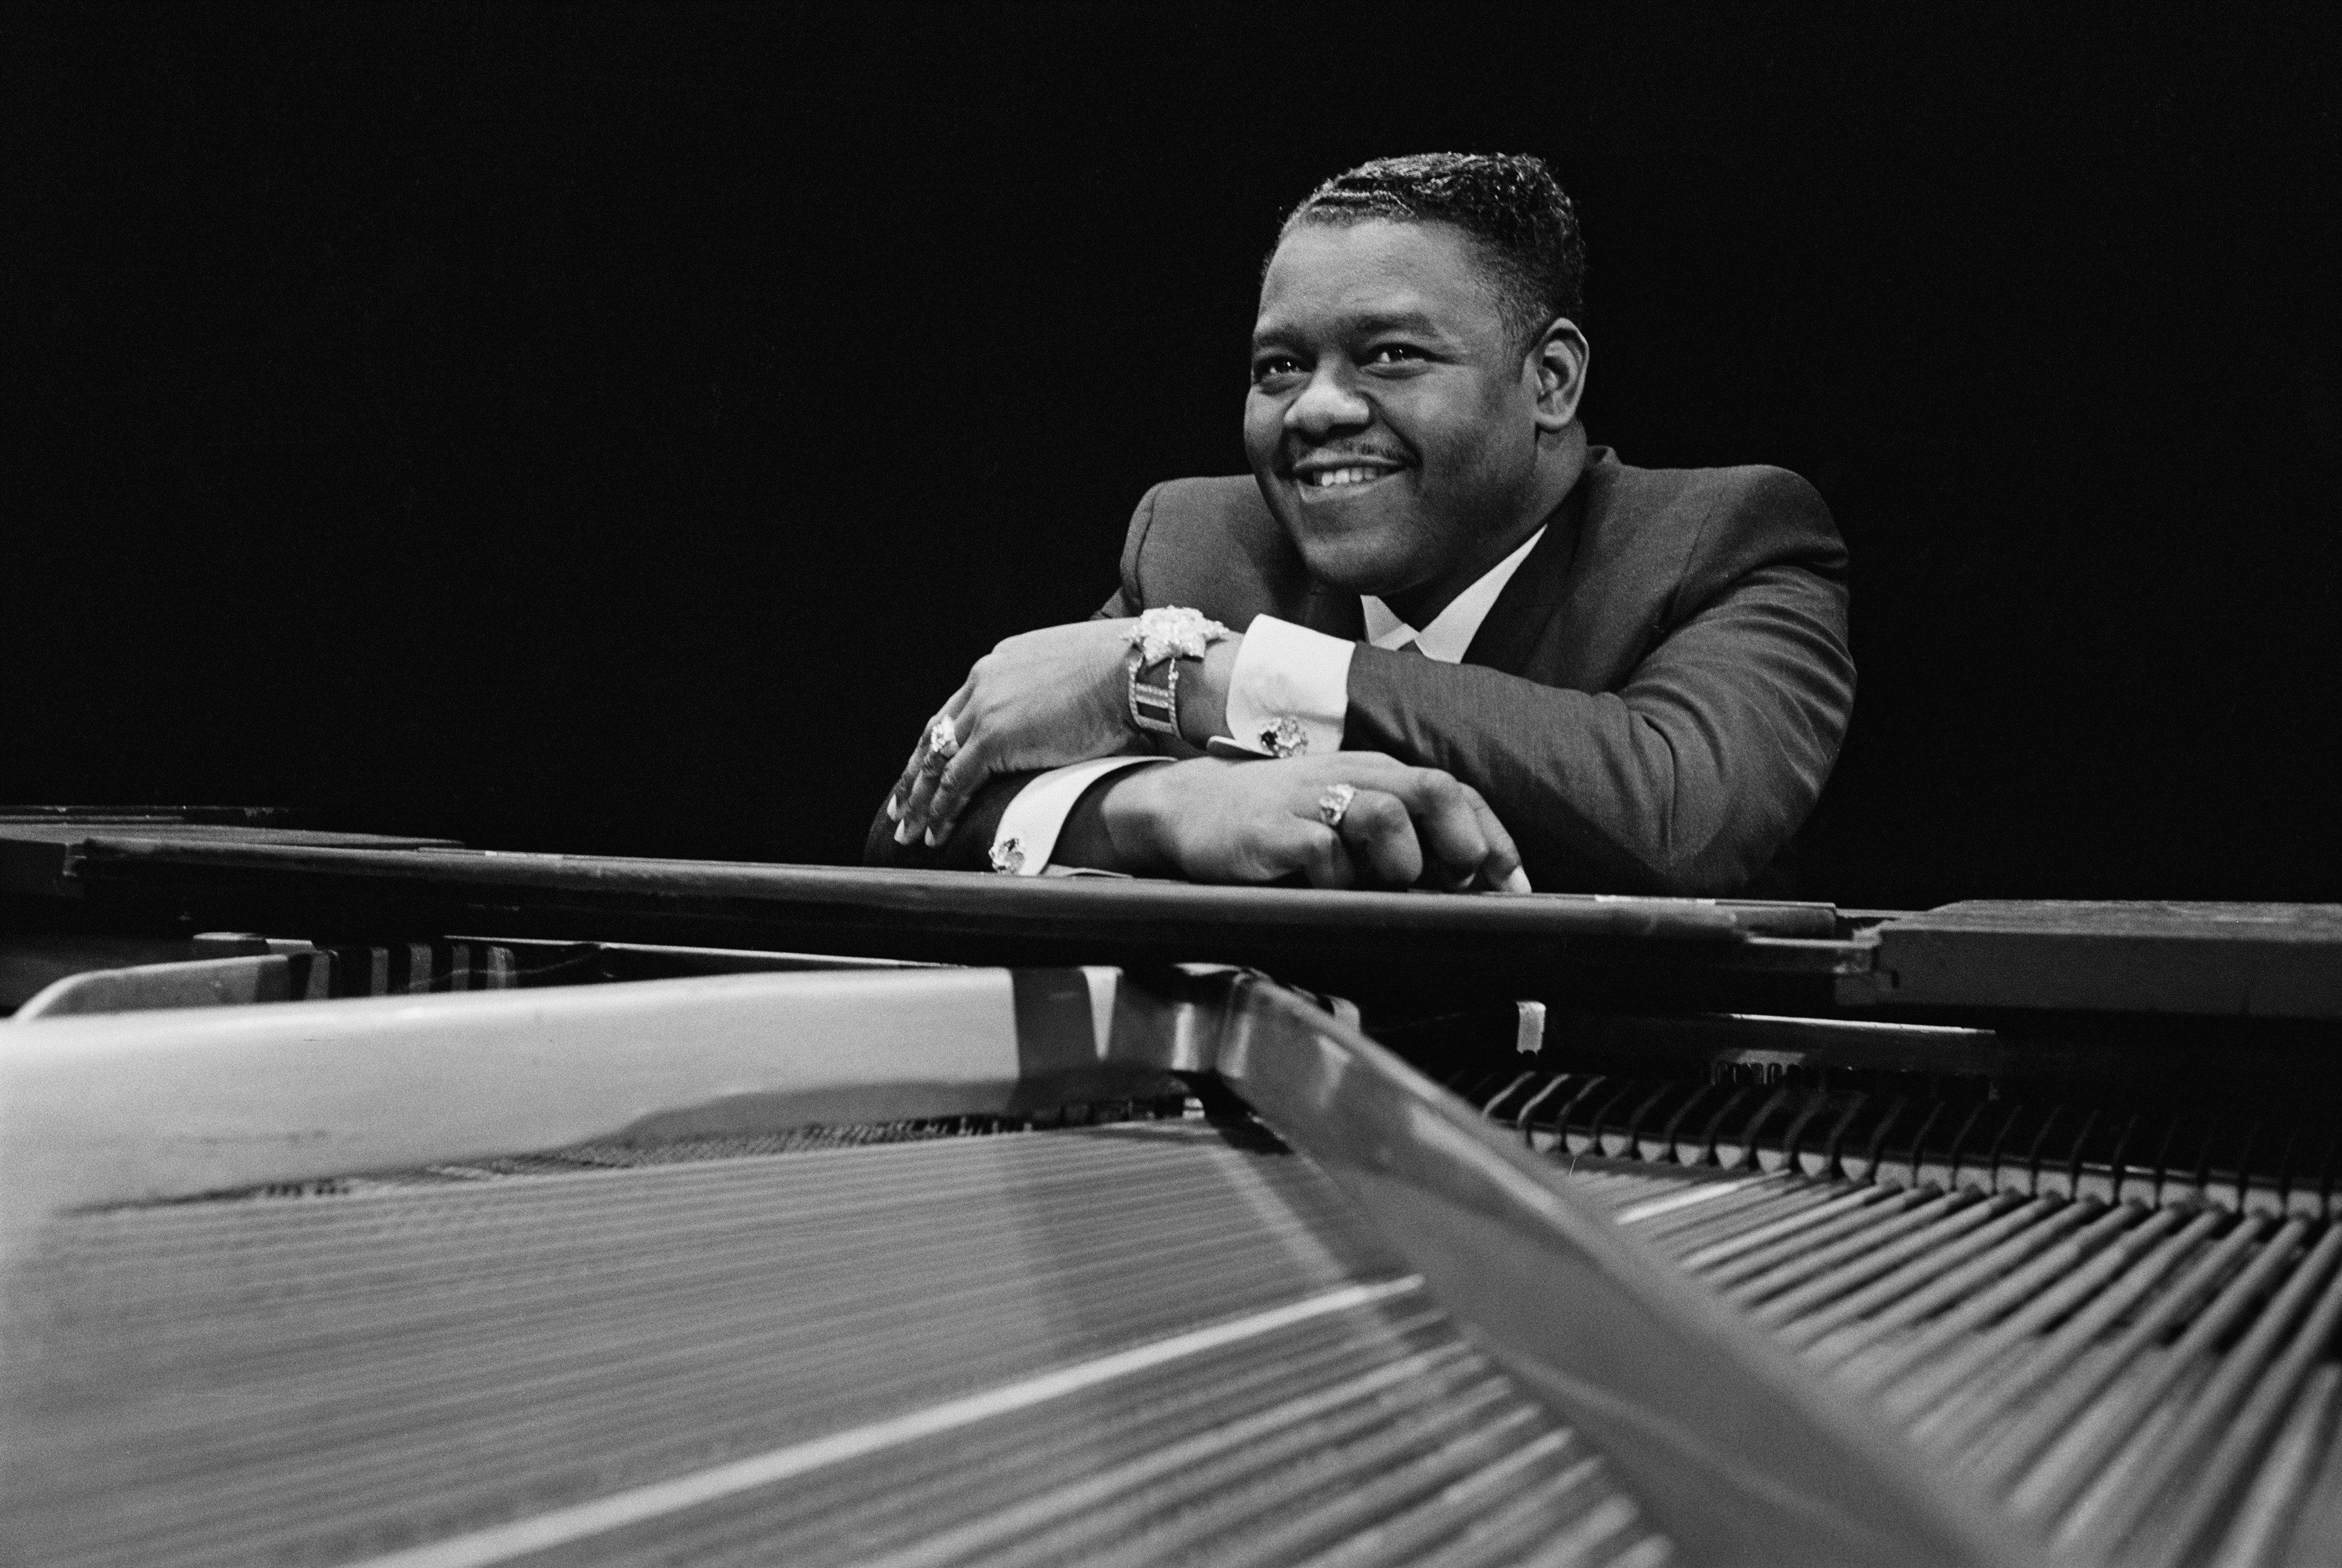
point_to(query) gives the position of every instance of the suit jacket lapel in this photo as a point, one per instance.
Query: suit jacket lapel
(1509, 639)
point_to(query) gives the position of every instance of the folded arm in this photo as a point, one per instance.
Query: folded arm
(1691, 775)
(1687, 778)
(1342, 820)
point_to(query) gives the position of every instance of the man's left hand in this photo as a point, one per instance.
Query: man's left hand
(1039, 700)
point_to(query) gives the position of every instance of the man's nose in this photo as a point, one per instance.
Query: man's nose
(1327, 405)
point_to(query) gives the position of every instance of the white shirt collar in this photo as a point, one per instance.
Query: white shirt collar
(1452, 630)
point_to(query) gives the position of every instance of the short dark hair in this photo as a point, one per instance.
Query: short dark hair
(1508, 204)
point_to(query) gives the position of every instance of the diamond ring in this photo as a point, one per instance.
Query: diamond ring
(943, 737)
(1335, 804)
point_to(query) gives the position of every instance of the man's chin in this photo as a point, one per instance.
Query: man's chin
(1363, 544)
(1354, 563)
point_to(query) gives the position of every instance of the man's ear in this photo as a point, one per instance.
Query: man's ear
(1555, 365)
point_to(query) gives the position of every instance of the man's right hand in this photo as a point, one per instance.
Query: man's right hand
(1218, 821)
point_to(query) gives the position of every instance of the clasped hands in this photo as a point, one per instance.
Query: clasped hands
(1057, 696)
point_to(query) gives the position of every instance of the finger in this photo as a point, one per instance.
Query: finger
(1461, 833)
(960, 778)
(1462, 838)
(916, 807)
(954, 705)
(1377, 831)
(1327, 863)
(1315, 851)
(1501, 871)
(912, 819)
(1449, 831)
(902, 790)
(1466, 839)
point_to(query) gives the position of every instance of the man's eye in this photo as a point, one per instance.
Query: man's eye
(1273, 366)
(1394, 354)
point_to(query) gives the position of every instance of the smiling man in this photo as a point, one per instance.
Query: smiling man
(1435, 638)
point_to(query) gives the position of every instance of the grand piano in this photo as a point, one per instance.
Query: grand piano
(392, 1201)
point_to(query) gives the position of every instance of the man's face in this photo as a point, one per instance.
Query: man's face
(1391, 416)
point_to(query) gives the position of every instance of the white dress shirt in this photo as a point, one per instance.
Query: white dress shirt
(1284, 672)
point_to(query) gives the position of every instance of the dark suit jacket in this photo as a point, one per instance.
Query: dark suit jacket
(1652, 704)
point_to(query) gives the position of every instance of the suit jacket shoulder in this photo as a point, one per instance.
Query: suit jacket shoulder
(1648, 549)
(1652, 526)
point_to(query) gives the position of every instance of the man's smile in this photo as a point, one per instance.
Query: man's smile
(1330, 476)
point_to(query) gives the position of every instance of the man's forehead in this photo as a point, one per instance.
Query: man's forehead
(1372, 275)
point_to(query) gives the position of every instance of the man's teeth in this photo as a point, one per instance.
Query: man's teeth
(1326, 478)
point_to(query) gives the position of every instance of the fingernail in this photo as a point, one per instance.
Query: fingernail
(902, 832)
(933, 841)
(1519, 882)
(893, 809)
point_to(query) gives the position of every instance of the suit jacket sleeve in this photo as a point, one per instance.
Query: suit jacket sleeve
(1689, 777)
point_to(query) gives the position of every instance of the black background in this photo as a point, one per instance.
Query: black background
(615, 429)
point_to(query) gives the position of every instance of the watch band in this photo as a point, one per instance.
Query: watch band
(1154, 708)
(1165, 635)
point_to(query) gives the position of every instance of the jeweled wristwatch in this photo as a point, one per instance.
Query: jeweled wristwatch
(1164, 636)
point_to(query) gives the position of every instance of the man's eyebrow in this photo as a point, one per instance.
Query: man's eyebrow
(1411, 321)
(1364, 324)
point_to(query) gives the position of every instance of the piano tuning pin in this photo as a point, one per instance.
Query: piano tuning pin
(1479, 1087)
(1997, 1156)
(2138, 1176)
(1661, 1146)
(1581, 1129)
(2220, 1169)
(1736, 1148)
(1559, 1093)
(1549, 1130)
(1860, 1141)
(1619, 1140)
(2259, 1144)
(1695, 1143)
(2310, 1180)
(1901, 1154)
(2017, 1162)
(2264, 1175)
(1936, 1163)
(2179, 1171)
(1976, 1157)
(1780, 1151)
(2082, 1157)
(2099, 1153)
(1818, 1157)
(1494, 1108)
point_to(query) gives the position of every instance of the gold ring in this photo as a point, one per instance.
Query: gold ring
(1335, 804)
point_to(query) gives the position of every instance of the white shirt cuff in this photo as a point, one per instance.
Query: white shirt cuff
(1290, 674)
(1028, 830)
